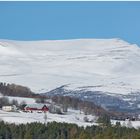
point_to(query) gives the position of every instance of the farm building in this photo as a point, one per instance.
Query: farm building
(36, 108)
(9, 108)
(55, 109)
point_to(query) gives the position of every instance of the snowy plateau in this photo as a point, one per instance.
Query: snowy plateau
(105, 71)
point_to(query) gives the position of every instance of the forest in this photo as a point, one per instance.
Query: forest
(55, 130)
(88, 107)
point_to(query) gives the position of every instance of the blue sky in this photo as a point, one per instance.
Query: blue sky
(70, 20)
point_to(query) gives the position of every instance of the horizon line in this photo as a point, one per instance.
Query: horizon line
(69, 39)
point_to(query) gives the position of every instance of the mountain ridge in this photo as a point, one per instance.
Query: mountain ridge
(110, 63)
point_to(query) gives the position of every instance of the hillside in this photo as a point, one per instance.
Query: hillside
(103, 65)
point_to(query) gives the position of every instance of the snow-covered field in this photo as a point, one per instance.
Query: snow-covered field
(21, 99)
(72, 116)
(110, 65)
(130, 124)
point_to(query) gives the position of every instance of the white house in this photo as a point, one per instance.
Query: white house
(9, 108)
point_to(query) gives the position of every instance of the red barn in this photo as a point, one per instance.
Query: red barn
(36, 108)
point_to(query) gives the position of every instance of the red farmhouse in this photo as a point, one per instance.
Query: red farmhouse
(36, 108)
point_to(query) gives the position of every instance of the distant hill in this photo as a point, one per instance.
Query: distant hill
(110, 67)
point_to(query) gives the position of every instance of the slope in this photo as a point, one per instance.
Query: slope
(109, 65)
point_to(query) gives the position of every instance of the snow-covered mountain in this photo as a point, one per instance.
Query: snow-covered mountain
(105, 65)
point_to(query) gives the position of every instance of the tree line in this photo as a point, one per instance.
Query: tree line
(17, 90)
(56, 130)
(14, 90)
(86, 106)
